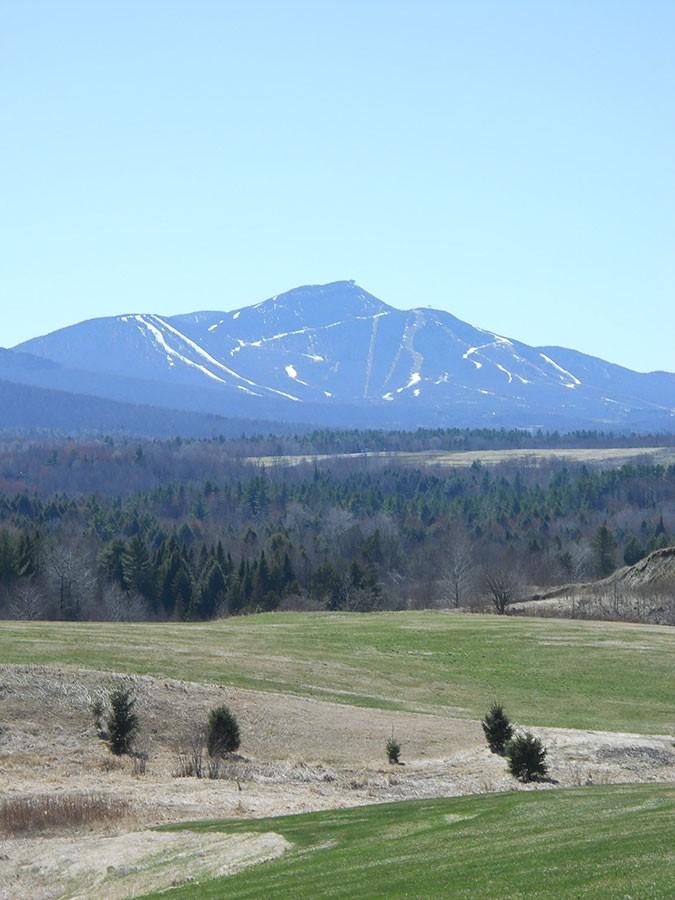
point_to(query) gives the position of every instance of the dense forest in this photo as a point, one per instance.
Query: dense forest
(176, 530)
(115, 466)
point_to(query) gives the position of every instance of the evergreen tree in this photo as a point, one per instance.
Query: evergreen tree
(212, 591)
(235, 597)
(122, 721)
(8, 558)
(181, 591)
(393, 749)
(222, 732)
(633, 552)
(497, 728)
(526, 757)
(604, 549)
(168, 573)
(110, 562)
(261, 583)
(136, 569)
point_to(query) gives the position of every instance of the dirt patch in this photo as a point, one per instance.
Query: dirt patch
(126, 865)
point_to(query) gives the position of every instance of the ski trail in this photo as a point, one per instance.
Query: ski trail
(396, 358)
(406, 344)
(371, 355)
(409, 341)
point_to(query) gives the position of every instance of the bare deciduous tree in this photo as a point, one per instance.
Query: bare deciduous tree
(69, 574)
(190, 748)
(459, 570)
(503, 585)
(27, 603)
(117, 605)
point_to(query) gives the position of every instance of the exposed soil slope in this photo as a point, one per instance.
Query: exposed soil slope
(643, 592)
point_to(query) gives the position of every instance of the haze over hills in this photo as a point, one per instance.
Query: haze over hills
(25, 408)
(335, 354)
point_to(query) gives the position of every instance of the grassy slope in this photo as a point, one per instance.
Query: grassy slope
(559, 673)
(614, 841)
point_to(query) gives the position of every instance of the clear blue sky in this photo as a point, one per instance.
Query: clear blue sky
(510, 161)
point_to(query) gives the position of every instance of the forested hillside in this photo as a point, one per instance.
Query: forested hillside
(175, 530)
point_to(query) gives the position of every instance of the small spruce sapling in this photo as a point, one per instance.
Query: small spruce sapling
(222, 732)
(497, 729)
(526, 757)
(393, 749)
(122, 721)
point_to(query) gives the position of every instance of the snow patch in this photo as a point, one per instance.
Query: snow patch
(414, 379)
(368, 318)
(236, 314)
(575, 380)
(469, 353)
(172, 354)
(291, 371)
(204, 355)
(505, 371)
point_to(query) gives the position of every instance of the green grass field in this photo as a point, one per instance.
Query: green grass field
(596, 675)
(613, 842)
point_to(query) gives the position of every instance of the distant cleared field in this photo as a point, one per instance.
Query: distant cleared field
(591, 842)
(597, 675)
(613, 456)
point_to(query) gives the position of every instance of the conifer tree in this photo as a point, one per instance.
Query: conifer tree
(222, 733)
(8, 558)
(633, 552)
(122, 721)
(497, 728)
(136, 569)
(526, 757)
(604, 548)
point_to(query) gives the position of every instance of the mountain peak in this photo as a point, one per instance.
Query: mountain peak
(337, 347)
(341, 293)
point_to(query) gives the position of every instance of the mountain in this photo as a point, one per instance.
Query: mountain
(33, 410)
(335, 354)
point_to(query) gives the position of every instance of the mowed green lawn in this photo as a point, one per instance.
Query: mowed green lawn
(596, 675)
(611, 842)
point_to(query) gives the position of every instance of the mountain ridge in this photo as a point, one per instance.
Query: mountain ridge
(336, 346)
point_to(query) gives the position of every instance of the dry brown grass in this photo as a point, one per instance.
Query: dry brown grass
(445, 458)
(294, 754)
(27, 815)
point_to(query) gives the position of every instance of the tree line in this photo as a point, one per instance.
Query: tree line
(339, 536)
